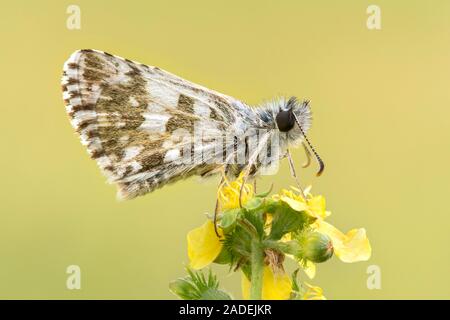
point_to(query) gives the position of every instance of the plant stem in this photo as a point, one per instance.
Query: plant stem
(257, 270)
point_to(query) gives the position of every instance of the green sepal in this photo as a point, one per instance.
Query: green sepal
(296, 292)
(238, 244)
(183, 288)
(224, 257)
(286, 219)
(270, 205)
(254, 203)
(228, 220)
(264, 194)
(247, 270)
(215, 294)
(197, 286)
(256, 219)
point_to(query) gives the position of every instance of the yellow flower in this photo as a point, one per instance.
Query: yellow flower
(316, 207)
(275, 286)
(203, 245)
(313, 293)
(228, 193)
(351, 247)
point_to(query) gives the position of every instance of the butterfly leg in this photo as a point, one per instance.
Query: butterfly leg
(293, 173)
(308, 156)
(216, 210)
(252, 160)
(244, 180)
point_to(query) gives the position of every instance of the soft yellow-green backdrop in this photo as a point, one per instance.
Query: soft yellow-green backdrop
(381, 103)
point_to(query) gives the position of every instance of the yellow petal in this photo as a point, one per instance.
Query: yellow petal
(356, 247)
(268, 223)
(245, 286)
(313, 293)
(297, 205)
(203, 245)
(310, 269)
(275, 286)
(287, 237)
(351, 247)
(317, 206)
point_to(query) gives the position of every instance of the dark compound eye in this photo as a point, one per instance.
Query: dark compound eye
(285, 120)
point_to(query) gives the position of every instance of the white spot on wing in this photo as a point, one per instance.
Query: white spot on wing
(66, 95)
(83, 115)
(136, 166)
(201, 109)
(94, 144)
(155, 122)
(134, 102)
(75, 101)
(72, 87)
(154, 108)
(131, 152)
(103, 161)
(163, 94)
(140, 176)
(172, 155)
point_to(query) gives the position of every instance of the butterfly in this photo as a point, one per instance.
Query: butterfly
(146, 127)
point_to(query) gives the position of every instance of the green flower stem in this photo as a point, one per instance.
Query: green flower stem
(288, 247)
(257, 259)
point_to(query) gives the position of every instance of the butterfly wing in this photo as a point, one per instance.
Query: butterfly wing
(137, 121)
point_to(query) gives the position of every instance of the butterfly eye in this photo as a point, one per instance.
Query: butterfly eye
(285, 120)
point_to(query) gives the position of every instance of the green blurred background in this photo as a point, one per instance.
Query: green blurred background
(381, 122)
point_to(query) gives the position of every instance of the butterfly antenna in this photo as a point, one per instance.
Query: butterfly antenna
(318, 158)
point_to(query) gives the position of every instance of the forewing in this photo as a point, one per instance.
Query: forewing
(134, 119)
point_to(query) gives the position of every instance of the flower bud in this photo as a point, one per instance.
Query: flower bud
(317, 247)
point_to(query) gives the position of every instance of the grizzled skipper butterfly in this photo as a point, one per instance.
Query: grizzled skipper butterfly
(146, 127)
